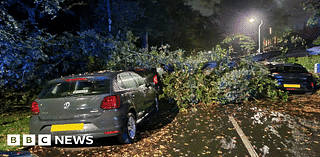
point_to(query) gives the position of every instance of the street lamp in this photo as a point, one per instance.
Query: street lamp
(253, 20)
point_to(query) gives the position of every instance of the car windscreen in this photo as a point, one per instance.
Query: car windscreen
(289, 69)
(73, 88)
(209, 66)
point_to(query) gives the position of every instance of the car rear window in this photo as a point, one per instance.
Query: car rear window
(209, 66)
(73, 88)
(289, 69)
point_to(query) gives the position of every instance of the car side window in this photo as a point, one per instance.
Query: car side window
(140, 81)
(119, 82)
(298, 69)
(125, 80)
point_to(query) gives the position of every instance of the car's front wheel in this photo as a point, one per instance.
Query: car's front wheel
(130, 130)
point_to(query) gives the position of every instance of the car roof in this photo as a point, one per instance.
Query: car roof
(285, 64)
(94, 75)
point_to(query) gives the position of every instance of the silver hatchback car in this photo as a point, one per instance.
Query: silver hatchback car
(100, 105)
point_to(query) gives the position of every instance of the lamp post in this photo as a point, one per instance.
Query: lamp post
(252, 20)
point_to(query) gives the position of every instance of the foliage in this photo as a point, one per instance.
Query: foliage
(317, 41)
(177, 24)
(290, 41)
(278, 20)
(239, 43)
(225, 84)
(58, 16)
(27, 61)
(312, 6)
(250, 80)
(177, 86)
(183, 84)
(121, 15)
(172, 22)
(307, 62)
(17, 101)
(21, 53)
(30, 56)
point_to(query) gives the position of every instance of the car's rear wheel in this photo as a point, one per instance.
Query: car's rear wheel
(130, 130)
(308, 93)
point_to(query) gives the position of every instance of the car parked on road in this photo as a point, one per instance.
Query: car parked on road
(293, 77)
(208, 67)
(152, 76)
(100, 104)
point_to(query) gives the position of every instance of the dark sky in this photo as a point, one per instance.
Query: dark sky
(298, 17)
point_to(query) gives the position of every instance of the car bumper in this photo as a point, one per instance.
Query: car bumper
(304, 87)
(107, 124)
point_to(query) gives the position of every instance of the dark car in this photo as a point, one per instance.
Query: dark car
(293, 78)
(100, 105)
(152, 76)
(17, 154)
(208, 67)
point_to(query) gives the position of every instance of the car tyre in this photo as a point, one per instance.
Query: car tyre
(308, 93)
(129, 133)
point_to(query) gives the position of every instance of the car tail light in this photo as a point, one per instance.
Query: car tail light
(111, 132)
(155, 79)
(308, 74)
(139, 69)
(76, 79)
(35, 108)
(110, 102)
(312, 84)
(273, 74)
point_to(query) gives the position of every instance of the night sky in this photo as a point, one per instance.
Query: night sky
(298, 18)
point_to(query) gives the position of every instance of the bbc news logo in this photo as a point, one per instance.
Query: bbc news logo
(45, 140)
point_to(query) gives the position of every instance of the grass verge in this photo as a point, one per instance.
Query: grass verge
(307, 62)
(13, 123)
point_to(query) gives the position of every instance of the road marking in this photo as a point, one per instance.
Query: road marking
(244, 138)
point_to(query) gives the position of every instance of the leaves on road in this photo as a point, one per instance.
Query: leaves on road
(206, 131)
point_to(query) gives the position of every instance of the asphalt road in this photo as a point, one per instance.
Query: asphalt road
(209, 131)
